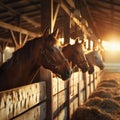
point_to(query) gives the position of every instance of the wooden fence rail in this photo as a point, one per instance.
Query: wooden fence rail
(33, 102)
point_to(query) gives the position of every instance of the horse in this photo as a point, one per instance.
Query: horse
(94, 58)
(43, 51)
(75, 54)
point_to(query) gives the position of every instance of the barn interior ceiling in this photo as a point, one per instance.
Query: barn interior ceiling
(103, 16)
(24, 16)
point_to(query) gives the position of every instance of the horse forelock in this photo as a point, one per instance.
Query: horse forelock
(80, 47)
(51, 40)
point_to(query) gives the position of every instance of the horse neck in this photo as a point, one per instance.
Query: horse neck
(35, 57)
(67, 52)
(20, 69)
(90, 59)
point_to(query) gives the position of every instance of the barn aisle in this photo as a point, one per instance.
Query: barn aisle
(104, 102)
(107, 75)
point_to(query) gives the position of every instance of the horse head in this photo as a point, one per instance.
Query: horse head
(53, 58)
(94, 58)
(98, 60)
(75, 54)
(91, 69)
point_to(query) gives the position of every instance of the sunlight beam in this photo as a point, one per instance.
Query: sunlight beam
(111, 45)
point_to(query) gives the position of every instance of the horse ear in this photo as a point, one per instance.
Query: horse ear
(46, 31)
(55, 33)
(82, 41)
(76, 41)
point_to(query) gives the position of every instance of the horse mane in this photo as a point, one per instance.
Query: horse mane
(22, 54)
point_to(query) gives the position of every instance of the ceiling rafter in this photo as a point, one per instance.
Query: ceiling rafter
(13, 12)
(83, 28)
(94, 5)
(18, 29)
(84, 8)
(110, 2)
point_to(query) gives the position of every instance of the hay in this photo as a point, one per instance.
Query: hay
(109, 105)
(93, 101)
(101, 94)
(107, 84)
(110, 81)
(112, 91)
(117, 98)
(90, 113)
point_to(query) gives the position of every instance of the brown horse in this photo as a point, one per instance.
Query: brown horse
(94, 58)
(43, 51)
(75, 54)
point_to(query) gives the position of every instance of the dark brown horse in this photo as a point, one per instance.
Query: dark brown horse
(75, 54)
(94, 58)
(21, 67)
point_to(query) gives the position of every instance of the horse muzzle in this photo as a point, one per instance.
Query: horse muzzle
(101, 66)
(84, 69)
(66, 74)
(91, 70)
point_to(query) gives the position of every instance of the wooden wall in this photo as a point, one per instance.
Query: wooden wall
(32, 102)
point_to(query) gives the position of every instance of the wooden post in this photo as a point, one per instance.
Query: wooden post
(66, 40)
(47, 14)
(89, 43)
(85, 85)
(2, 57)
(68, 99)
(66, 29)
(79, 79)
(2, 49)
(47, 21)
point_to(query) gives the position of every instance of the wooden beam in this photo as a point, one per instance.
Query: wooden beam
(66, 29)
(56, 13)
(47, 21)
(75, 19)
(5, 40)
(83, 28)
(18, 29)
(110, 2)
(84, 8)
(103, 7)
(25, 40)
(13, 12)
(2, 49)
(13, 38)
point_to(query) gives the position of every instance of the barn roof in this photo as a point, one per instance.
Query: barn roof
(24, 16)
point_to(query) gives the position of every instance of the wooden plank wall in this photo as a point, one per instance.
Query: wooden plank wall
(31, 101)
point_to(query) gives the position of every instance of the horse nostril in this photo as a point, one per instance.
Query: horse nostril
(102, 67)
(91, 70)
(84, 69)
(68, 72)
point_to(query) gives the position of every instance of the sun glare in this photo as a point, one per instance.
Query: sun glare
(111, 45)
